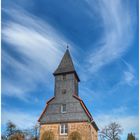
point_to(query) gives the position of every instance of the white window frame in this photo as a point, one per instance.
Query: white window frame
(62, 108)
(63, 126)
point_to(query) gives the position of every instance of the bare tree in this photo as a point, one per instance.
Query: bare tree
(32, 133)
(35, 131)
(111, 132)
(10, 128)
(12, 132)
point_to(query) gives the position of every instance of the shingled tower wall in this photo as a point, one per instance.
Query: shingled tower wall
(65, 115)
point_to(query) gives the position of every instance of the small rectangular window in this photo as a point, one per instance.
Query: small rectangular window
(64, 91)
(63, 129)
(63, 108)
(64, 76)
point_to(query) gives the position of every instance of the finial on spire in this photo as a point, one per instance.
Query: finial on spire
(67, 46)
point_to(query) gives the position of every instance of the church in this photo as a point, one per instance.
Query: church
(65, 116)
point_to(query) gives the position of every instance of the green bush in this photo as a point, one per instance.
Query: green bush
(75, 136)
(48, 136)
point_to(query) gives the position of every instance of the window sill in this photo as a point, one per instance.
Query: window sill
(64, 134)
(63, 112)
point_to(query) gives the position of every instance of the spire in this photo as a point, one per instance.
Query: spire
(66, 65)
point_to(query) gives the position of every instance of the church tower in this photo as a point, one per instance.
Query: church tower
(65, 116)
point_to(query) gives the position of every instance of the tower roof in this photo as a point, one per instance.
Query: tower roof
(66, 65)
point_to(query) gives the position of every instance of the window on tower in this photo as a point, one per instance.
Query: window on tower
(64, 91)
(63, 129)
(63, 108)
(64, 76)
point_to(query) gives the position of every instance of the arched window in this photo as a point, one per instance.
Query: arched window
(48, 136)
(75, 136)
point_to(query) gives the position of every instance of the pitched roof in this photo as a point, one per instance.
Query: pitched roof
(66, 65)
(45, 108)
(87, 112)
(83, 106)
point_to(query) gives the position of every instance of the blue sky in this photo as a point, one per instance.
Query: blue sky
(103, 40)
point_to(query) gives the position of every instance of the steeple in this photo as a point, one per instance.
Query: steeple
(66, 65)
(66, 106)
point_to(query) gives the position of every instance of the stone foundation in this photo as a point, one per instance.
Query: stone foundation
(84, 130)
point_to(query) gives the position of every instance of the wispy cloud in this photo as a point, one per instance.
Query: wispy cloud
(39, 45)
(129, 75)
(129, 123)
(21, 119)
(118, 22)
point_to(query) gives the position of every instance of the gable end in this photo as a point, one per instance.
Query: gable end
(45, 109)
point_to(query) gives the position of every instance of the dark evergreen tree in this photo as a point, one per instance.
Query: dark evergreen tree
(131, 136)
